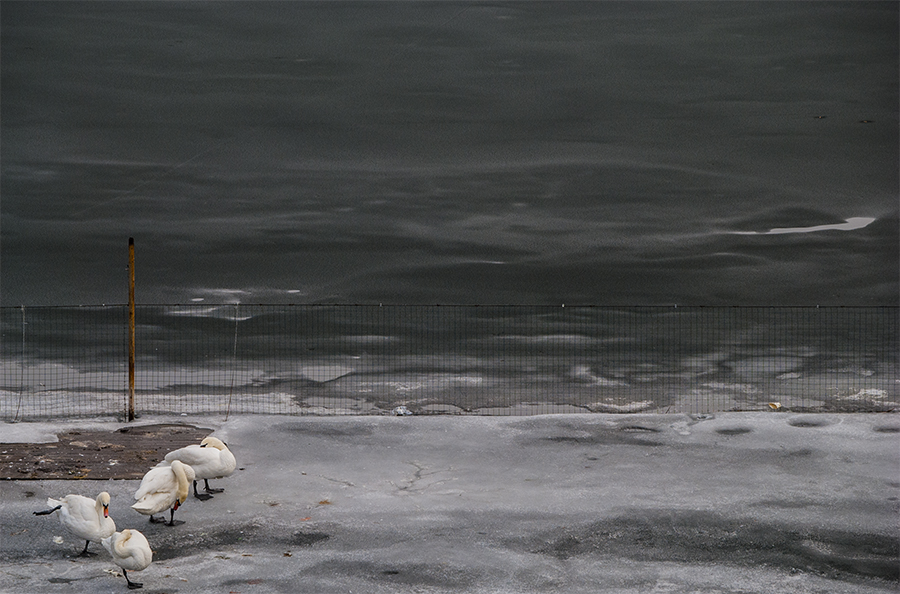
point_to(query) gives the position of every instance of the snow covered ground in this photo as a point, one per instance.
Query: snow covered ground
(731, 502)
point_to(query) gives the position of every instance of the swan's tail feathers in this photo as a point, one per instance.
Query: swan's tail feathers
(48, 511)
(142, 507)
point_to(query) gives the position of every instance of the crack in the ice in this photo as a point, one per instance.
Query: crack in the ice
(418, 476)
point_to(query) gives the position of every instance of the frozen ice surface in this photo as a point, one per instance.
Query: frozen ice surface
(752, 502)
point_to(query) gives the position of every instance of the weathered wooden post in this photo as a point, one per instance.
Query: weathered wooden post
(131, 328)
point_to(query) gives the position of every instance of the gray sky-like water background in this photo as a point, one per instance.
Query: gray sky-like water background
(450, 152)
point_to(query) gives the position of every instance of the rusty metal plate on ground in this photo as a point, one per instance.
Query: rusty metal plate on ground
(127, 453)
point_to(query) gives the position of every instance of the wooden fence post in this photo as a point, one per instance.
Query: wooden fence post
(131, 328)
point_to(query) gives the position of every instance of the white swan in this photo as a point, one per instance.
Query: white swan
(210, 460)
(129, 550)
(84, 517)
(162, 488)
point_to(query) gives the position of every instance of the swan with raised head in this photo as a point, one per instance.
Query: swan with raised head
(130, 551)
(84, 517)
(210, 460)
(162, 488)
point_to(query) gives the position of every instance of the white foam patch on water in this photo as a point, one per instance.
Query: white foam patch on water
(338, 406)
(861, 371)
(792, 375)
(629, 407)
(868, 394)
(743, 388)
(704, 363)
(851, 224)
(562, 339)
(435, 381)
(584, 373)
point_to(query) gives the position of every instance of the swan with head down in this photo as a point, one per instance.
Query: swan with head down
(130, 551)
(162, 488)
(84, 517)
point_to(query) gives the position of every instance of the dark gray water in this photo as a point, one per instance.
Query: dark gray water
(452, 152)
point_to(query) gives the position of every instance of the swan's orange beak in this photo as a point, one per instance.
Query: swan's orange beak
(177, 503)
(105, 511)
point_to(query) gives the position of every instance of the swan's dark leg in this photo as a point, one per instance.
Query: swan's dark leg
(85, 552)
(172, 521)
(201, 496)
(157, 520)
(131, 585)
(210, 489)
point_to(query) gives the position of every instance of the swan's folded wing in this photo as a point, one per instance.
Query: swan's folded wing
(79, 508)
(193, 455)
(158, 478)
(154, 503)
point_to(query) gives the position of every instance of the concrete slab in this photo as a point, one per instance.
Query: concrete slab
(734, 502)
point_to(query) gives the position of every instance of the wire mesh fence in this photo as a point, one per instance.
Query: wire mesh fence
(490, 360)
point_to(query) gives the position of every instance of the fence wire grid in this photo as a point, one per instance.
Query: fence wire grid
(488, 360)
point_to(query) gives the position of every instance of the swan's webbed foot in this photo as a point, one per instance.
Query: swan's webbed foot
(209, 489)
(85, 552)
(201, 496)
(155, 520)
